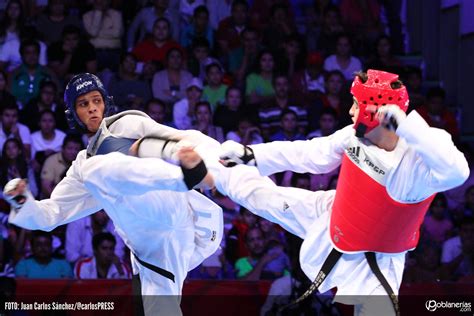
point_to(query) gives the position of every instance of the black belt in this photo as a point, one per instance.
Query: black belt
(156, 269)
(329, 264)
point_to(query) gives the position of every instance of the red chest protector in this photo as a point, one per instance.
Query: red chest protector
(365, 218)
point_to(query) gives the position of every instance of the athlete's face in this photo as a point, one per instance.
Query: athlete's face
(354, 111)
(90, 110)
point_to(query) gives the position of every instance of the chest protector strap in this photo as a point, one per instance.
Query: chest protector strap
(365, 218)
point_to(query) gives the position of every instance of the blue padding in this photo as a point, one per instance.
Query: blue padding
(114, 144)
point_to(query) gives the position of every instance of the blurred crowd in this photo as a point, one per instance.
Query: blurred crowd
(249, 71)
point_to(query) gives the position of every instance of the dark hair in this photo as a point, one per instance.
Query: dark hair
(260, 56)
(331, 73)
(100, 237)
(211, 65)
(46, 111)
(48, 83)
(5, 23)
(200, 41)
(232, 88)
(28, 43)
(328, 110)
(436, 92)
(168, 23)
(72, 138)
(127, 54)
(39, 233)
(277, 7)
(440, 197)
(279, 75)
(10, 106)
(200, 9)
(248, 30)
(71, 29)
(154, 101)
(203, 103)
(20, 162)
(174, 49)
(236, 3)
(286, 112)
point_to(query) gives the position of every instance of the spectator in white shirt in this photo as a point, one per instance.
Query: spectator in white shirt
(10, 128)
(343, 60)
(48, 140)
(104, 264)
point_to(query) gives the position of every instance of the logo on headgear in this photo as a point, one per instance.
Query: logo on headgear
(82, 85)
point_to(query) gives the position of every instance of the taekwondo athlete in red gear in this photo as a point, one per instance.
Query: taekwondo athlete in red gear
(391, 166)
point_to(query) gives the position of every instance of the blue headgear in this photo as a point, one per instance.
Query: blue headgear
(77, 86)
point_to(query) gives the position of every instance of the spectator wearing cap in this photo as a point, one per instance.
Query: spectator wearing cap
(169, 85)
(214, 91)
(198, 28)
(184, 110)
(310, 81)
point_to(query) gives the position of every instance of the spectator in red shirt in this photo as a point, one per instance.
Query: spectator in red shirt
(156, 47)
(230, 28)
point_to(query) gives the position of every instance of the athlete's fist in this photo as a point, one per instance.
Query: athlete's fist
(16, 192)
(234, 153)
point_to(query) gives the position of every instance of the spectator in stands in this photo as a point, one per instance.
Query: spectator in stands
(50, 24)
(47, 100)
(11, 128)
(309, 82)
(198, 28)
(41, 265)
(10, 57)
(263, 262)
(457, 257)
(280, 26)
(436, 113)
(291, 60)
(71, 55)
(26, 79)
(270, 112)
(383, 58)
(80, 233)
(437, 227)
(243, 59)
(169, 85)
(261, 12)
(144, 22)
(247, 132)
(362, 18)
(258, 85)
(235, 238)
(184, 111)
(328, 123)
(12, 22)
(104, 26)
(203, 114)
(127, 86)
(336, 96)
(56, 165)
(156, 47)
(47, 141)
(330, 30)
(426, 267)
(230, 29)
(343, 60)
(270, 232)
(214, 91)
(228, 114)
(466, 208)
(156, 109)
(199, 56)
(14, 164)
(413, 81)
(288, 127)
(5, 96)
(104, 264)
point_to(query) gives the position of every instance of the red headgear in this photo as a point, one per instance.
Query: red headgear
(376, 91)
